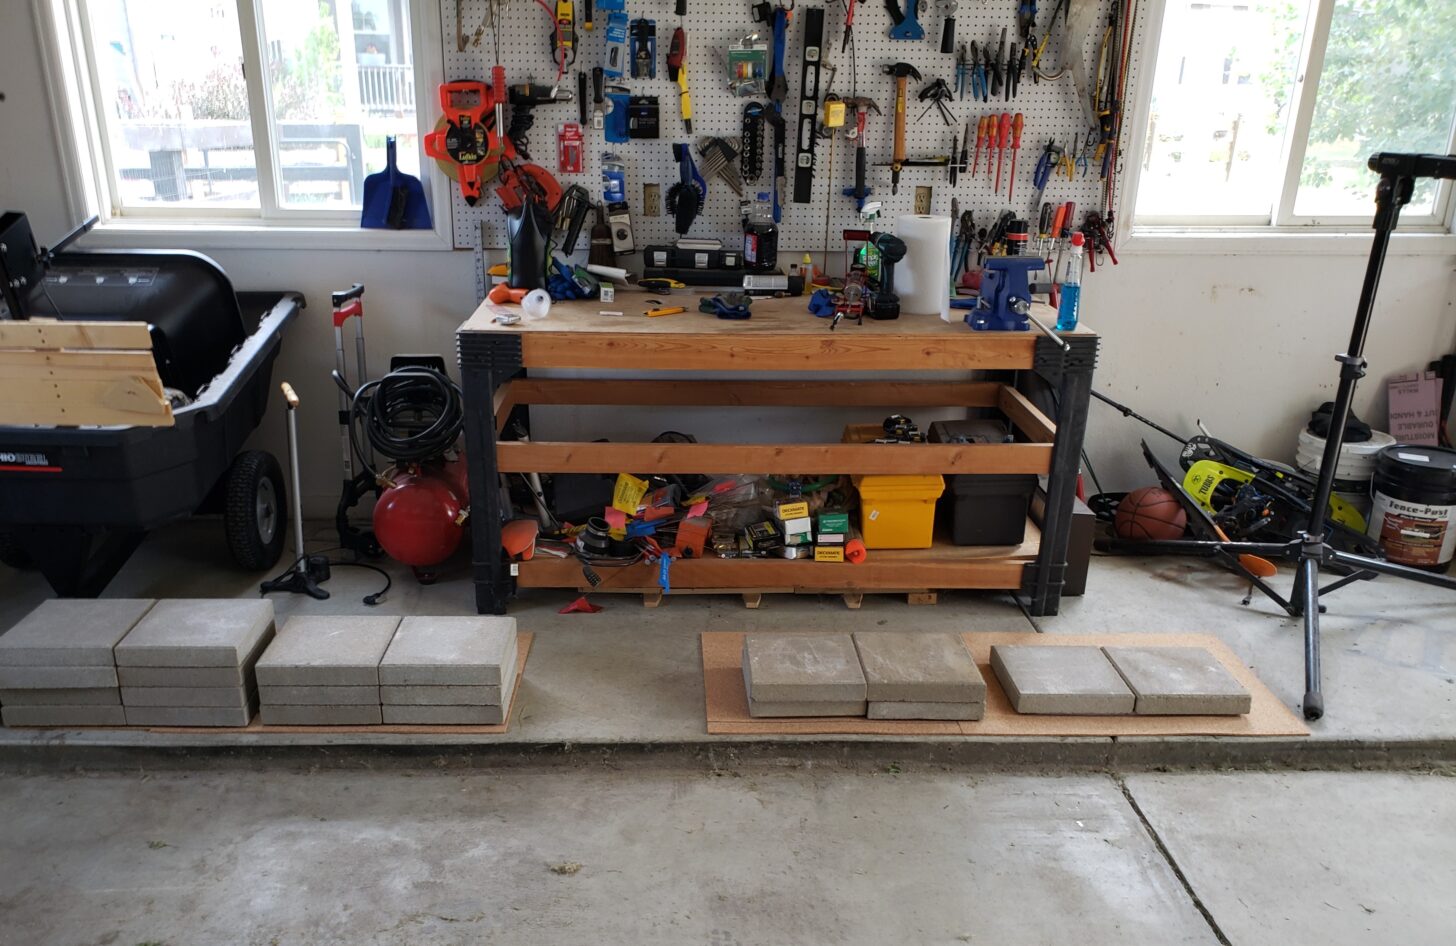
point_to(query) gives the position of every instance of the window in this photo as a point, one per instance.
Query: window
(275, 109)
(1265, 111)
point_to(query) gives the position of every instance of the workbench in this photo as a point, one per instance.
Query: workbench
(782, 336)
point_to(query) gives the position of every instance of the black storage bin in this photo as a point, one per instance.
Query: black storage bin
(983, 509)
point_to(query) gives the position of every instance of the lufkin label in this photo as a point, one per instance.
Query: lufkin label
(1413, 533)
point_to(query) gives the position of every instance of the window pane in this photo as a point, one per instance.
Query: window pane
(1388, 84)
(341, 79)
(1221, 94)
(173, 102)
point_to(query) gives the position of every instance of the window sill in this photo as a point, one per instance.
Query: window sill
(220, 235)
(1267, 241)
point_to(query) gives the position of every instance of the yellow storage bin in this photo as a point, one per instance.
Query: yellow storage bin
(898, 512)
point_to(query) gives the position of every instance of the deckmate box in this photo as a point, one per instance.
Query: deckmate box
(898, 512)
(983, 508)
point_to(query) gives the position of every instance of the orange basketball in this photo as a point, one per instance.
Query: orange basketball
(1150, 514)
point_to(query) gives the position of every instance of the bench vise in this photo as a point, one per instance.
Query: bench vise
(1005, 296)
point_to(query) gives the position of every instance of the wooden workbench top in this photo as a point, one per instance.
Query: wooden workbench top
(782, 335)
(788, 316)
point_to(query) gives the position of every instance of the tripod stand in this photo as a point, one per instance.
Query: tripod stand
(1310, 549)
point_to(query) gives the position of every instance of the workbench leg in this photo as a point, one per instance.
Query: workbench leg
(485, 364)
(1070, 373)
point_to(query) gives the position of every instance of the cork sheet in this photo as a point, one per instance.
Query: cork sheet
(727, 701)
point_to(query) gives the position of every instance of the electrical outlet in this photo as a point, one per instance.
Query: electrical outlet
(922, 200)
(651, 200)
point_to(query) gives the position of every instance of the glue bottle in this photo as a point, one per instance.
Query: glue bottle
(1071, 304)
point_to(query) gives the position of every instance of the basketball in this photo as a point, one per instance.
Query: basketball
(1150, 514)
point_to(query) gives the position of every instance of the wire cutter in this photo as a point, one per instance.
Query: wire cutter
(979, 90)
(1082, 155)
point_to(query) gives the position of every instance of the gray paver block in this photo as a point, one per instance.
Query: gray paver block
(188, 715)
(198, 632)
(1060, 679)
(440, 696)
(450, 651)
(327, 650)
(318, 696)
(443, 715)
(182, 676)
(63, 715)
(923, 667)
(71, 632)
(801, 708)
(62, 696)
(56, 678)
(1179, 681)
(185, 696)
(907, 709)
(334, 715)
(798, 668)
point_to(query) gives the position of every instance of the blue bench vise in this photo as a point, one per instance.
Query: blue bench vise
(1005, 294)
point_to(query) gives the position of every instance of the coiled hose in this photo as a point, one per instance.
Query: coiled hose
(409, 415)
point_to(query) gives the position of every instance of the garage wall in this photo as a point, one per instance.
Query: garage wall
(1242, 340)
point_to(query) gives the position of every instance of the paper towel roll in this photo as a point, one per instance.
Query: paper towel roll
(923, 279)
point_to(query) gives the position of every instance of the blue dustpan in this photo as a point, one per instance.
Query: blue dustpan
(394, 201)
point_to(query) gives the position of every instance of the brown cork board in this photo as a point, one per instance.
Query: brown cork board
(523, 649)
(727, 702)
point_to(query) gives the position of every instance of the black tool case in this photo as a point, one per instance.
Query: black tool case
(983, 508)
(76, 501)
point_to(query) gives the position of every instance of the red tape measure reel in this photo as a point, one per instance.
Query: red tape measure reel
(470, 143)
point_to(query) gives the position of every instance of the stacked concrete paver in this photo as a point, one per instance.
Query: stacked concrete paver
(57, 666)
(449, 671)
(190, 662)
(920, 676)
(324, 671)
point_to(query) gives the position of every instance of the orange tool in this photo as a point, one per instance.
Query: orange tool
(980, 143)
(1003, 129)
(991, 122)
(501, 294)
(1016, 124)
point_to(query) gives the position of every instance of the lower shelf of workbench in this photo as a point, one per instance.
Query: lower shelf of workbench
(940, 567)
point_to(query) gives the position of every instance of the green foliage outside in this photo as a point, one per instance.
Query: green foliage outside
(307, 83)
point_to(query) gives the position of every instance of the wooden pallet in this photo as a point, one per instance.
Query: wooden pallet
(80, 373)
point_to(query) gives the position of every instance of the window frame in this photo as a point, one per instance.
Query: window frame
(1290, 232)
(90, 184)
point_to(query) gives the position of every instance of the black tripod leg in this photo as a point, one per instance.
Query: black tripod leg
(1308, 586)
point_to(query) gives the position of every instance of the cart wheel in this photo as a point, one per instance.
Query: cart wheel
(255, 510)
(12, 554)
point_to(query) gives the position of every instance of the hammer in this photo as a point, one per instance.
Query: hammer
(903, 73)
(862, 106)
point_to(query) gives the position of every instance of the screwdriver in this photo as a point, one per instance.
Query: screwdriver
(991, 122)
(1003, 128)
(1016, 124)
(677, 71)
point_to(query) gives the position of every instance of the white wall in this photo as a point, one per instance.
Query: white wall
(1243, 341)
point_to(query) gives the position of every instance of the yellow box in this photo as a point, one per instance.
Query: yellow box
(898, 512)
(828, 553)
(791, 510)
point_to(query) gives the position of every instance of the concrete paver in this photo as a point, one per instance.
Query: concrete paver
(1059, 679)
(193, 632)
(327, 650)
(907, 709)
(336, 714)
(923, 667)
(443, 715)
(188, 715)
(1333, 858)
(440, 696)
(182, 676)
(450, 651)
(84, 715)
(771, 708)
(63, 696)
(71, 632)
(319, 695)
(802, 668)
(1178, 681)
(185, 696)
(56, 678)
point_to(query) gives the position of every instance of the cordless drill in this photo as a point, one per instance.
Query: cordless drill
(892, 250)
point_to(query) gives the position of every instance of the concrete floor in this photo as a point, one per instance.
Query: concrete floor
(631, 674)
(723, 856)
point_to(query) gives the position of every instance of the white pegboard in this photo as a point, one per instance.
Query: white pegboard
(1050, 109)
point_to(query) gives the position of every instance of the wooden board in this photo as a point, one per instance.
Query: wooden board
(941, 566)
(727, 704)
(782, 335)
(548, 457)
(898, 394)
(79, 373)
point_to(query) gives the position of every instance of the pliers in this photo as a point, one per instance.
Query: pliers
(1066, 165)
(1082, 155)
(965, 238)
(980, 91)
(1051, 156)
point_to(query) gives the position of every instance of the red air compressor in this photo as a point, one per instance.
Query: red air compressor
(411, 416)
